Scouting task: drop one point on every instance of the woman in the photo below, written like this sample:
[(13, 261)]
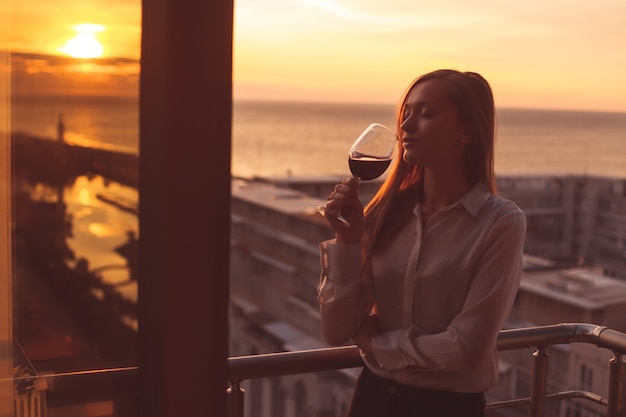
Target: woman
[(440, 259)]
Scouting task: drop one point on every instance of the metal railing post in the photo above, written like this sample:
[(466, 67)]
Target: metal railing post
[(617, 387), (235, 399), (539, 383)]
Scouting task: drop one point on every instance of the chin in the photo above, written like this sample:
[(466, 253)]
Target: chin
[(412, 159)]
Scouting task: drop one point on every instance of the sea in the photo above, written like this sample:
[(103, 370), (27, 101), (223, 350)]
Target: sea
[(277, 139)]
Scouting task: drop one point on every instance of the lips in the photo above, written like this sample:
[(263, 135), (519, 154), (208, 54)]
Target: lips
[(408, 142)]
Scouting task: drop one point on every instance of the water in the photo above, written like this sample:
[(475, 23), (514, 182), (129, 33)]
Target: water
[(304, 139), (110, 122), (98, 229), (570, 142)]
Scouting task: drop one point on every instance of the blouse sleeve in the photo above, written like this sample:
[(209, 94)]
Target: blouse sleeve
[(341, 291), (487, 304)]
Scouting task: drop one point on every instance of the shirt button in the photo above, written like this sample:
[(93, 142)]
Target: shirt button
[(392, 389)]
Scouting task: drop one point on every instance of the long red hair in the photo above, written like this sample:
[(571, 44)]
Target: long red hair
[(402, 189)]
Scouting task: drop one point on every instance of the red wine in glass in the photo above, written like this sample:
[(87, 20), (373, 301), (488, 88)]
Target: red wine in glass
[(367, 167), (369, 157)]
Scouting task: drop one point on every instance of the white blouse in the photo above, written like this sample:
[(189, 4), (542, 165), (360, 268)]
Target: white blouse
[(442, 293)]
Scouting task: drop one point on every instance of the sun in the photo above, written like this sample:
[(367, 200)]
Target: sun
[(85, 43)]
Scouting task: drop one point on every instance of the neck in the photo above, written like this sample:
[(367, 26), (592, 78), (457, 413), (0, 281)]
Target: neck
[(442, 188)]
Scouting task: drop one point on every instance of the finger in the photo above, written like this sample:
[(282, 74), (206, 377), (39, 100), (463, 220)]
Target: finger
[(349, 190), (333, 205), (353, 180)]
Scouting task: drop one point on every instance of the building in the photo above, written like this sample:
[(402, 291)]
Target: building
[(548, 296), (275, 268), (274, 276), (573, 220)]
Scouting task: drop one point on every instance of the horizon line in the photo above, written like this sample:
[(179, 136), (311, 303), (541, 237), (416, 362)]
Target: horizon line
[(131, 96)]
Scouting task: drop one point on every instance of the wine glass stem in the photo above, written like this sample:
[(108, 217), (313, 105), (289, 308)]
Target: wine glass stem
[(334, 213)]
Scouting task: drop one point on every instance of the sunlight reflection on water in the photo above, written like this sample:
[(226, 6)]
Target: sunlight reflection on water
[(98, 228)]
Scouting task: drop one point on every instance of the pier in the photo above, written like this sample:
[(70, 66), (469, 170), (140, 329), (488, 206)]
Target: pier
[(58, 160)]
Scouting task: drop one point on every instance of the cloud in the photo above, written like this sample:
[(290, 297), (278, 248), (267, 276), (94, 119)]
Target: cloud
[(59, 61), (42, 74)]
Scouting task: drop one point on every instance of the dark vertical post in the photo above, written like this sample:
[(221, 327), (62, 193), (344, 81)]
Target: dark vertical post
[(236, 399), (617, 386), (185, 121), (539, 382)]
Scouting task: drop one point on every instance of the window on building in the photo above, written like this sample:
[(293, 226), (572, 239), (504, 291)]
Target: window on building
[(522, 384), (549, 201), (586, 377), (255, 393), (278, 398), (573, 410), (300, 399)]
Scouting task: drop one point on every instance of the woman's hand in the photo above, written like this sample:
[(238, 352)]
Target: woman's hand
[(369, 328), (345, 199)]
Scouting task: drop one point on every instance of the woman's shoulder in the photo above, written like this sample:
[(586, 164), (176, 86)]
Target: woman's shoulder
[(498, 200), (482, 201), (501, 207)]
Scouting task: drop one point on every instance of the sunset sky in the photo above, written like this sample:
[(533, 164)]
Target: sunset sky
[(542, 54)]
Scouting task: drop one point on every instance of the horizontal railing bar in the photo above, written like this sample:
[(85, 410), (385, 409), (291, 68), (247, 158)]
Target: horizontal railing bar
[(297, 362), (613, 340), (289, 363), (507, 403), (600, 336), (585, 395), (512, 339), (56, 375)]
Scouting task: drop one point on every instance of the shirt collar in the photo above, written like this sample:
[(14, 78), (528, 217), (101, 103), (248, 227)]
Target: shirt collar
[(475, 198)]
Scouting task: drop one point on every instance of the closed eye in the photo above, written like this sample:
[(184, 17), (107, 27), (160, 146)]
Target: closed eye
[(405, 116)]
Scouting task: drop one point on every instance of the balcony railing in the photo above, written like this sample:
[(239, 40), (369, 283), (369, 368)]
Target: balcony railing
[(309, 361), (299, 362)]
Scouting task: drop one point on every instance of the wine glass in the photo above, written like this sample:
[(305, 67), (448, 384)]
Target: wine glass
[(369, 157)]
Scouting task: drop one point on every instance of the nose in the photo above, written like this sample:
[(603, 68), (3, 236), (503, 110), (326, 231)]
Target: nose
[(409, 124)]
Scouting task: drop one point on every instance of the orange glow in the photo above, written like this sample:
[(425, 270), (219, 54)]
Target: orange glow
[(84, 197), (85, 43), (344, 50)]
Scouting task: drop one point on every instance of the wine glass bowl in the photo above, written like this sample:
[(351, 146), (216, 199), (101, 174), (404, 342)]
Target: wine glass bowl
[(371, 153), (368, 158)]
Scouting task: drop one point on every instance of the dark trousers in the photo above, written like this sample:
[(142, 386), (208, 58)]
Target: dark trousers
[(379, 397)]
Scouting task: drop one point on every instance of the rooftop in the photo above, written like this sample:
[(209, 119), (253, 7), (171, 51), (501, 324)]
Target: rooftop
[(583, 287), (280, 199)]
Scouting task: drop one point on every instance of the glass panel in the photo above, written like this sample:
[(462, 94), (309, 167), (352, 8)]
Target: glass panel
[(74, 200), (6, 302)]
